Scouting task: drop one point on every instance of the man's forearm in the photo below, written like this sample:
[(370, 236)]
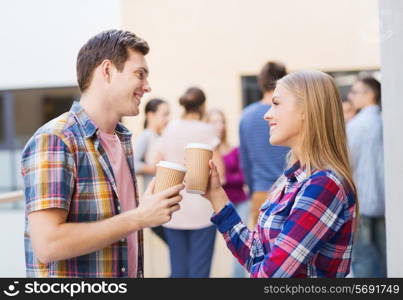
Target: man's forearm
[(75, 239)]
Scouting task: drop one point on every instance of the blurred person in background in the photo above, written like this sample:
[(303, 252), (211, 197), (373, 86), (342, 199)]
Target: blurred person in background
[(234, 185), (262, 163), (365, 140), (156, 119), (306, 226), (190, 235), (349, 110)]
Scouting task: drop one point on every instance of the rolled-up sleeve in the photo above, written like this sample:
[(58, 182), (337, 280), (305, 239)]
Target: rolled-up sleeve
[(48, 169)]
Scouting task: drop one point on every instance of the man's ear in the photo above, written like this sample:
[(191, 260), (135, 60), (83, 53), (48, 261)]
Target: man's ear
[(148, 114), (106, 68), (371, 95)]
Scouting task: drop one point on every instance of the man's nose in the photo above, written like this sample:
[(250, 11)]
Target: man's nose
[(147, 87)]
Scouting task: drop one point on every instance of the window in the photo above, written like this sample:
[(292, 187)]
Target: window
[(2, 122), (33, 108), (27, 110), (344, 80), (250, 90)]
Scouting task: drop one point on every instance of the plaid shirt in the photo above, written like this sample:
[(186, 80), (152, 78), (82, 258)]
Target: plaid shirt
[(304, 229), (64, 166)]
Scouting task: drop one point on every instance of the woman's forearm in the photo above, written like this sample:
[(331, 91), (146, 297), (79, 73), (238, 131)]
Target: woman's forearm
[(219, 200)]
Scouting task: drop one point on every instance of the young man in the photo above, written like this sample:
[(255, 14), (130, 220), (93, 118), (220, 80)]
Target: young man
[(83, 217), (365, 141), (262, 163)]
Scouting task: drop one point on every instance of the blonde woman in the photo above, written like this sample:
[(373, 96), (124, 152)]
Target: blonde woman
[(306, 226)]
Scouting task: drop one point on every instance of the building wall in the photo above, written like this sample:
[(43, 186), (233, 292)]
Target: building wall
[(40, 39), (200, 42), (391, 16), (212, 43)]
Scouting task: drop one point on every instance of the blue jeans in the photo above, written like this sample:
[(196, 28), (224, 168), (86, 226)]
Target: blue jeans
[(190, 251), (369, 248)]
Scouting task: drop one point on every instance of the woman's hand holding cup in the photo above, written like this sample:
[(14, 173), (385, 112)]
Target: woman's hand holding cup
[(215, 193)]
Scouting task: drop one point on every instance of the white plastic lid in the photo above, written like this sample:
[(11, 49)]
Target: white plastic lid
[(171, 165), (199, 146)]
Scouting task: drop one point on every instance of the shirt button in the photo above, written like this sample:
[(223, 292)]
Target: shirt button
[(123, 269)]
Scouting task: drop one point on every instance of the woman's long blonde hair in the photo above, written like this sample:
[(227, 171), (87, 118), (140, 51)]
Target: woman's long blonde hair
[(323, 136)]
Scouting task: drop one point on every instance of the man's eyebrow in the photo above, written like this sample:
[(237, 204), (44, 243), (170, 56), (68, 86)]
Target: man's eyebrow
[(144, 69)]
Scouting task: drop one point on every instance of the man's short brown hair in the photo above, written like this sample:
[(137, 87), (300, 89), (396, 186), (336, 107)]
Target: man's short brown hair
[(112, 45), (270, 73), (374, 85)]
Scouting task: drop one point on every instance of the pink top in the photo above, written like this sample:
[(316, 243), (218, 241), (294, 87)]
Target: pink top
[(196, 211), (234, 178), (125, 188)]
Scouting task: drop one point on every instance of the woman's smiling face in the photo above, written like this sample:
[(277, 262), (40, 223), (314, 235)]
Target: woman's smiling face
[(285, 118)]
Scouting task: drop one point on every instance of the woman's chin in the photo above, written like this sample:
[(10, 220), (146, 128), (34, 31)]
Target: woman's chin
[(275, 142)]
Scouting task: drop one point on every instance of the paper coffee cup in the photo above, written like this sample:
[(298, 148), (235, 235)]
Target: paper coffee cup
[(197, 165), (168, 174)]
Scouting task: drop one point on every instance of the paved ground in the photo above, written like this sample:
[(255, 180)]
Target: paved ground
[(12, 260), (157, 257)]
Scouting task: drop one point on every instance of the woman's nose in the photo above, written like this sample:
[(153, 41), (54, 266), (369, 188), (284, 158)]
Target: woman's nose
[(267, 116)]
